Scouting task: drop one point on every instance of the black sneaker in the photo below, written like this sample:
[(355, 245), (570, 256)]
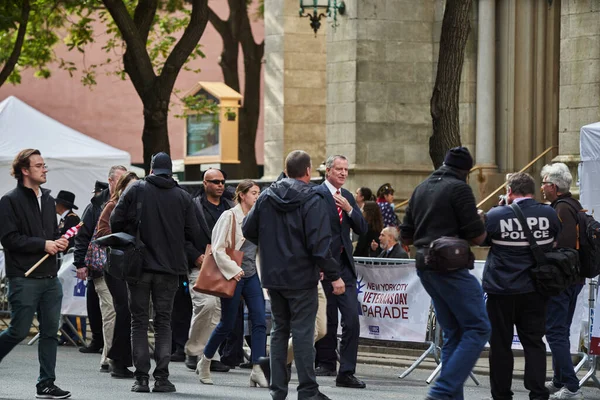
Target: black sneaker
[(51, 391), (163, 385), (140, 385)]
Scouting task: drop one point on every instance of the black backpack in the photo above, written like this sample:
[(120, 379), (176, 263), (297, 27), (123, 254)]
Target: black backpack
[(555, 270), (588, 242)]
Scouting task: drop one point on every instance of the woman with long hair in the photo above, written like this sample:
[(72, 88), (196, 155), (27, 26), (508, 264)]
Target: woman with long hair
[(385, 201), (363, 194), (372, 215), (248, 285), (119, 343)]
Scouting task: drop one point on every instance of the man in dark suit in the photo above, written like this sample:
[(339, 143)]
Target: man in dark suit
[(389, 239), (64, 208), (344, 215)]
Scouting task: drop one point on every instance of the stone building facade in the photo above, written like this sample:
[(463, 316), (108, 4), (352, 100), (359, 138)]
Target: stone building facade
[(530, 81)]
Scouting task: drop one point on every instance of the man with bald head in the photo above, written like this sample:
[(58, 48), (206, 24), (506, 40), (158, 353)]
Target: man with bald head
[(210, 204)]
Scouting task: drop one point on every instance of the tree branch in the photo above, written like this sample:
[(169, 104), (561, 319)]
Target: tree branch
[(144, 16), (184, 47), (9, 66), (137, 61), (216, 22)]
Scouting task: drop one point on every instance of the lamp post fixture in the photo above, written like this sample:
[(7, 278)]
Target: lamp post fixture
[(321, 8)]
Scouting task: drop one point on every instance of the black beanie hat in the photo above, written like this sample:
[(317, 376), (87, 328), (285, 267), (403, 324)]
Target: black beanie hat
[(460, 158)]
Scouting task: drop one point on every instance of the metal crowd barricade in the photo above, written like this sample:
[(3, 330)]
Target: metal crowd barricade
[(590, 359), (4, 308)]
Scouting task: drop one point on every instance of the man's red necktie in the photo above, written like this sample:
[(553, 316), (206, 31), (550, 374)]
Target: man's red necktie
[(339, 209)]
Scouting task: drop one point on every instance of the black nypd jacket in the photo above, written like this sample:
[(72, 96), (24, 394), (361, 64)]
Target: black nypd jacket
[(168, 221), (24, 230), (510, 257), (291, 226)]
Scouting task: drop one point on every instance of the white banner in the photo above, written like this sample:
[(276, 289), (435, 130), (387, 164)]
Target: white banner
[(395, 306), (73, 302), (2, 266), (393, 303)]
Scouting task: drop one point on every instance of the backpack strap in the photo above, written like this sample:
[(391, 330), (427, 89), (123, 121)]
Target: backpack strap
[(538, 254)]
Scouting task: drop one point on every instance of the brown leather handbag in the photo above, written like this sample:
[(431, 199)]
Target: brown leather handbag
[(211, 280)]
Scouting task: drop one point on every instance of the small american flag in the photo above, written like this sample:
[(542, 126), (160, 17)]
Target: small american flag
[(72, 231)]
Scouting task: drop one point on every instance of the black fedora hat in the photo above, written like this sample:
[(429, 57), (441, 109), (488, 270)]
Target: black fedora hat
[(67, 199), (100, 186)]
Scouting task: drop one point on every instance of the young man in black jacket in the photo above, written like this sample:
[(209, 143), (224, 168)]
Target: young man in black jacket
[(167, 220), (291, 227), (28, 230), (444, 205)]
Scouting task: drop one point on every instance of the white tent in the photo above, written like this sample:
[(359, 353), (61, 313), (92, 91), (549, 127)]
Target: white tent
[(589, 185), (75, 161)]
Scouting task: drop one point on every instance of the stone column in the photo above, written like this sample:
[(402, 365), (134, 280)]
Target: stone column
[(485, 152), (295, 87), (579, 77)]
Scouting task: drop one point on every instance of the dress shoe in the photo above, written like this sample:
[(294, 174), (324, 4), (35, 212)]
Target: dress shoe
[(140, 385), (191, 362), (163, 385), (257, 377), (218, 366), (91, 349), (178, 357), (120, 371), (264, 363), (246, 365), (319, 396), (322, 371), (349, 381), (105, 368)]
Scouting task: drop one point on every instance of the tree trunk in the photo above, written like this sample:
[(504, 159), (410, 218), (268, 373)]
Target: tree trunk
[(445, 98), (9, 65), (155, 135)]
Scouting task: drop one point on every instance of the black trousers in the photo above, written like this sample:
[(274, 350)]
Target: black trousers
[(181, 316), (347, 304), (120, 352), (161, 289), (528, 313), (92, 303)]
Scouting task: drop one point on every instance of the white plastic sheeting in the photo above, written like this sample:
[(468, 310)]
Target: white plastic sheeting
[(589, 177), (75, 160)]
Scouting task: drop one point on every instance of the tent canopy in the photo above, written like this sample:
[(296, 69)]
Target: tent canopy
[(75, 161), (589, 142)]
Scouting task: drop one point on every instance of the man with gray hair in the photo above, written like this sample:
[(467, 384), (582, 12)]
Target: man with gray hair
[(389, 239), (556, 181)]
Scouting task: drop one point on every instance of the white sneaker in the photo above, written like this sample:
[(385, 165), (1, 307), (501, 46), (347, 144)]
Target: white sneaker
[(565, 393), (551, 388)]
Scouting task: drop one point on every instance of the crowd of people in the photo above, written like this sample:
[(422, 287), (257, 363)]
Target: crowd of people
[(299, 242)]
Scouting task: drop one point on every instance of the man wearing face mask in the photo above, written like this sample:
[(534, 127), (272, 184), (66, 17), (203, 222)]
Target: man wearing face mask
[(209, 206)]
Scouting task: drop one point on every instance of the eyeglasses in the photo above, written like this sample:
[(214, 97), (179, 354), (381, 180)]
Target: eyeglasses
[(217, 181), (39, 166)]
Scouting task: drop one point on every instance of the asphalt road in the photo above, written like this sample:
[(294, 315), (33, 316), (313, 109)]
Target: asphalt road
[(79, 374)]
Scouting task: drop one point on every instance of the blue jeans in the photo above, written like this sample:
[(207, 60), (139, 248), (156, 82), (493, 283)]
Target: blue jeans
[(559, 315), (27, 296), (251, 289), (460, 310)]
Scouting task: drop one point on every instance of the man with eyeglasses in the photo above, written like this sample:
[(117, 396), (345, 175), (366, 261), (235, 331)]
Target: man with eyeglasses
[(29, 230), (210, 204), (556, 182)]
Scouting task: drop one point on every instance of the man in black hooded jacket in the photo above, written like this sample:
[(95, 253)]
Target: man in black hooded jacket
[(166, 222), (289, 223)]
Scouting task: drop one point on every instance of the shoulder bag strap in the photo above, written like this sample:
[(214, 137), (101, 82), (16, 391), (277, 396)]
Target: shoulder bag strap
[(538, 254), (140, 202), (233, 229)]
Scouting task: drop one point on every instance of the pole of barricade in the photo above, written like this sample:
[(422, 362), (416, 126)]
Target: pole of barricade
[(591, 358), (433, 348)]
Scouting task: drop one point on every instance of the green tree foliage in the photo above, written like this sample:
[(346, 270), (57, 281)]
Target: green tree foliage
[(27, 36)]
